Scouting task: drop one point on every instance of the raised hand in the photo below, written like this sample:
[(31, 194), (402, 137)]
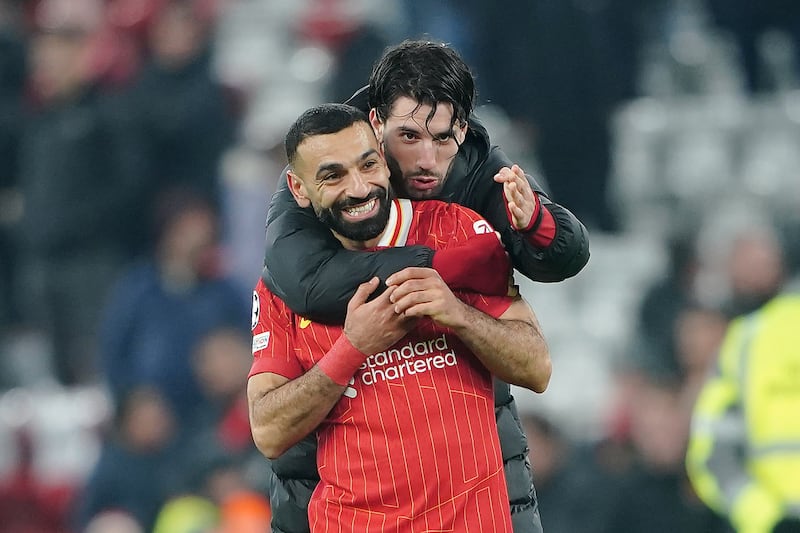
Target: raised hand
[(522, 202)]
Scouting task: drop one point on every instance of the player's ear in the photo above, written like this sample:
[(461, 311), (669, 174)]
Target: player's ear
[(377, 124), (298, 189), (460, 132)]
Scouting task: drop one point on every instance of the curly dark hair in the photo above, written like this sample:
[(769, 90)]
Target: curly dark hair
[(426, 71)]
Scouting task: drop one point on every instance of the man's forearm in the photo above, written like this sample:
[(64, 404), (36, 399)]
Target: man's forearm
[(284, 415), (307, 268), (513, 350)]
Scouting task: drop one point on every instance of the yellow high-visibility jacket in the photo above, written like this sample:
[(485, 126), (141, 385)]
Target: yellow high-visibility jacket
[(744, 451)]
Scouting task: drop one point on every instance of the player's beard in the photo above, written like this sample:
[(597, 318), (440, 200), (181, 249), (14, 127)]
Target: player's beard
[(363, 230), (400, 181)]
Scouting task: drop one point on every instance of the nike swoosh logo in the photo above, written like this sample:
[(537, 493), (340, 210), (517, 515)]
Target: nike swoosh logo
[(304, 323)]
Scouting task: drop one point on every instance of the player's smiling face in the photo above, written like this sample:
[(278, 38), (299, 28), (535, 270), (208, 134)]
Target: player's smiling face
[(344, 177)]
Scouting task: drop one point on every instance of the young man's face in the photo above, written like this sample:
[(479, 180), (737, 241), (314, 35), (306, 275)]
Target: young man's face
[(419, 152), (344, 177)]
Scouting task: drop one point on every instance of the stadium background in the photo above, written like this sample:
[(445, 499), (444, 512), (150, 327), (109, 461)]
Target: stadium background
[(670, 127)]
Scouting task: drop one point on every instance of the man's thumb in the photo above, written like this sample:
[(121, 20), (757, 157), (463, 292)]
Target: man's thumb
[(362, 293)]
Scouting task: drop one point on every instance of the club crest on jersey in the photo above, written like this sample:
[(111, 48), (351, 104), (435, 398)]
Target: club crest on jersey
[(256, 311), (481, 226)]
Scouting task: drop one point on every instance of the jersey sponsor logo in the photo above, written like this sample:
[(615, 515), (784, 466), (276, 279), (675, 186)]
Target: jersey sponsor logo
[(414, 357), (304, 322), (256, 311), (260, 341), (481, 226)]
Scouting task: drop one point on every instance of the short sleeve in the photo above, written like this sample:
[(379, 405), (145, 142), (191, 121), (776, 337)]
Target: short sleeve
[(271, 323), (441, 226)]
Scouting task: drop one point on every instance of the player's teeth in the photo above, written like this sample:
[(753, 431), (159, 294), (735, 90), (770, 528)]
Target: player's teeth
[(362, 209)]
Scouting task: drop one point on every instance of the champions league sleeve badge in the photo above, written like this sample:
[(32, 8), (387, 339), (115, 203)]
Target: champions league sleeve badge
[(256, 311)]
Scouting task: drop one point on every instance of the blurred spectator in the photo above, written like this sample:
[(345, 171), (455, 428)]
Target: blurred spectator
[(12, 82), (372, 27), (448, 21), (79, 177), (250, 171), (328, 23), (744, 457), (186, 116), (655, 495), (741, 260), (221, 362), (682, 316), (754, 268), (354, 61), (246, 512), (219, 456), (661, 305), (27, 504), (12, 43), (567, 475), (136, 469), (693, 335), (218, 498), (220, 480), (113, 522), (219, 427), (164, 305), (698, 335), (222, 488), (187, 514), (241, 507)]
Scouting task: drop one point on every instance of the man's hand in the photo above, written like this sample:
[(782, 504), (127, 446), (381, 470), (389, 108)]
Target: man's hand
[(522, 202), (419, 292), (511, 347), (373, 326)]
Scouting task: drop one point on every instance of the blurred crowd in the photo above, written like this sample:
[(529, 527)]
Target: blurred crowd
[(140, 141), (114, 269)]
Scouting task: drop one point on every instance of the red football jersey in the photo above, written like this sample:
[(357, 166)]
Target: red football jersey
[(412, 444)]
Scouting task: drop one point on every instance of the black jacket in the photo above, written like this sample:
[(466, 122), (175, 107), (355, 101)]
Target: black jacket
[(309, 270), (298, 246), (79, 172)]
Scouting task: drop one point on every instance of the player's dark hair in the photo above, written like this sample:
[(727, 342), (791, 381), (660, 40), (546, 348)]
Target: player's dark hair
[(428, 72), (322, 119)]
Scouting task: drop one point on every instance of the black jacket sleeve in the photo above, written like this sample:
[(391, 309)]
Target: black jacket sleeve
[(562, 259), (307, 268)]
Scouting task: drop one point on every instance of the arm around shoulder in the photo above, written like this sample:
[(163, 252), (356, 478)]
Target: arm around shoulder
[(311, 272)]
